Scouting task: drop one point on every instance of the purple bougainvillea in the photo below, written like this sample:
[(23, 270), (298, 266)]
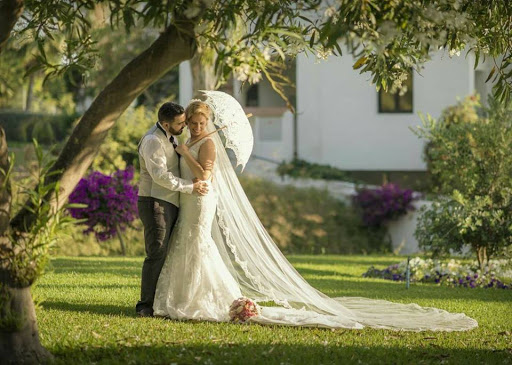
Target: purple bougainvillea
[(111, 202), (382, 204)]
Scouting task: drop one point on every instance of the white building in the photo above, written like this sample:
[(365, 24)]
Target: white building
[(339, 119), (344, 122)]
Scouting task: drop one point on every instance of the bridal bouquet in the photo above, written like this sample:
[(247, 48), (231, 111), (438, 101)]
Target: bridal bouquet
[(242, 309)]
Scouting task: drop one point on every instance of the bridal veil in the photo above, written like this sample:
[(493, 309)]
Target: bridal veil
[(266, 276)]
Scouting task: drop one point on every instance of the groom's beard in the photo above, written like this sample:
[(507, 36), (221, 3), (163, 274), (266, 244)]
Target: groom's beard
[(175, 132)]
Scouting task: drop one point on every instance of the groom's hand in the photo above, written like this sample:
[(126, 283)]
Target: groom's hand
[(182, 149), (200, 187)]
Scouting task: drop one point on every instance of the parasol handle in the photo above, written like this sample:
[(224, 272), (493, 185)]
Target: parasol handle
[(215, 131), (209, 134)]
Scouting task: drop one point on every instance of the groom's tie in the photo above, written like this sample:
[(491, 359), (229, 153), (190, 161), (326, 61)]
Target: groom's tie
[(173, 141), (174, 144)]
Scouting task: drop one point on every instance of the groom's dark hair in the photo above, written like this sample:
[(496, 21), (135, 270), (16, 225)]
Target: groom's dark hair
[(168, 111)]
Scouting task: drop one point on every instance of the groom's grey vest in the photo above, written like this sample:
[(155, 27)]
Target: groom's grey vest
[(147, 187)]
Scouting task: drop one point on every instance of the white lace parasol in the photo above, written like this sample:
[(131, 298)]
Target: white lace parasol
[(229, 115)]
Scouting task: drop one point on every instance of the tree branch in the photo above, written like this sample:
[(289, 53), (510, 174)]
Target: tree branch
[(175, 45), (10, 11)]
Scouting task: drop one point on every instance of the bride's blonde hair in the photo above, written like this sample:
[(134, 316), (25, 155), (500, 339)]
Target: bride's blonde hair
[(198, 107)]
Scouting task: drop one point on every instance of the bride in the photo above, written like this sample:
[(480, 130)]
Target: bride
[(220, 251)]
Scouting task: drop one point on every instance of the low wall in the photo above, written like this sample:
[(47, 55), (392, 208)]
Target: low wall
[(402, 230)]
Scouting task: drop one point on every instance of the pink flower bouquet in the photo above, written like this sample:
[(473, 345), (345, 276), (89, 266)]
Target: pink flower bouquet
[(242, 309)]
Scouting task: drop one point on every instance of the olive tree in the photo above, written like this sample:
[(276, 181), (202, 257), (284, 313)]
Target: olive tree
[(249, 38)]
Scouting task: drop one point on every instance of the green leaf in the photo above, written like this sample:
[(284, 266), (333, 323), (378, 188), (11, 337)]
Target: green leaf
[(76, 206), (477, 58), (491, 73), (337, 46), (285, 32), (458, 197), (360, 62), (312, 40)]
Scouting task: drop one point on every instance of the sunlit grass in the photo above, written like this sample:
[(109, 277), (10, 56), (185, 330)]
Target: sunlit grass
[(86, 314)]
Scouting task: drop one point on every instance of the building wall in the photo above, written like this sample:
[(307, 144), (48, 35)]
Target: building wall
[(339, 123), (338, 119)]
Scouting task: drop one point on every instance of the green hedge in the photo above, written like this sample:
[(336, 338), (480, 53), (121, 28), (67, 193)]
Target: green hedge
[(311, 221), (304, 169), (47, 129)]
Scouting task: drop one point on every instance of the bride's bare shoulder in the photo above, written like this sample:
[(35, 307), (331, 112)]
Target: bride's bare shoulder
[(207, 144)]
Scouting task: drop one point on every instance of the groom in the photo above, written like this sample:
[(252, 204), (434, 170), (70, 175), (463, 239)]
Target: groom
[(159, 191)]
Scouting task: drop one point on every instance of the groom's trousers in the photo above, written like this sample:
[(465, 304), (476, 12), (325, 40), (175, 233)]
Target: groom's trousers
[(158, 218)]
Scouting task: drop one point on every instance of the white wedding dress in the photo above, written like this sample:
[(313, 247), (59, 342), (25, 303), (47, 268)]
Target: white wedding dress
[(220, 251), (194, 282)]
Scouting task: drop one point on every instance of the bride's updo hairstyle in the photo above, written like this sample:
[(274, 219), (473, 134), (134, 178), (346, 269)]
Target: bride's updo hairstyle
[(198, 107)]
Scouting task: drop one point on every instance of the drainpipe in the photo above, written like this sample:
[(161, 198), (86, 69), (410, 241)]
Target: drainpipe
[(295, 134)]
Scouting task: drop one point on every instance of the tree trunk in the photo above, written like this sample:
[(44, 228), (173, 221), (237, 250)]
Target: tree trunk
[(10, 11), (5, 185), (203, 73), (481, 256), (30, 93), (174, 45), (121, 240), (19, 336), (171, 48)]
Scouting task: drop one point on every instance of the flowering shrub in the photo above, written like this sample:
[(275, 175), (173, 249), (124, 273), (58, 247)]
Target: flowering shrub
[(474, 205), (242, 309), (111, 202), (382, 204), (497, 274)]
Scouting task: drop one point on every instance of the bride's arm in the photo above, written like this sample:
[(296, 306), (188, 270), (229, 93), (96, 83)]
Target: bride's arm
[(201, 168)]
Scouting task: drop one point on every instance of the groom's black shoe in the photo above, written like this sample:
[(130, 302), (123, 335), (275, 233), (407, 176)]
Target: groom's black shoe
[(145, 312)]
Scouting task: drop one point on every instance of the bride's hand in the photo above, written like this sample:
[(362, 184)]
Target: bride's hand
[(182, 149)]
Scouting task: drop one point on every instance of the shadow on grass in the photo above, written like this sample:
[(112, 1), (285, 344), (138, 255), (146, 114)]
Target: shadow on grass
[(125, 266), (176, 351), (88, 286), (119, 310)]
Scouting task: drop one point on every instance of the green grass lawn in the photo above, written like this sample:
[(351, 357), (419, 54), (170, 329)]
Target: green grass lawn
[(86, 315)]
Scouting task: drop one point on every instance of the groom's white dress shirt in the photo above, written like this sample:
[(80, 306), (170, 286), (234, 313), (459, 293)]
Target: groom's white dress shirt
[(159, 168)]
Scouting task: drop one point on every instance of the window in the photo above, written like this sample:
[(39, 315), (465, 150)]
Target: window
[(396, 103), (253, 98)]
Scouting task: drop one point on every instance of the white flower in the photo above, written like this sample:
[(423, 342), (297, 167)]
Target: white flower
[(192, 10), (266, 54), (242, 72), (241, 76), (255, 77), (323, 54), (330, 12), (454, 52)]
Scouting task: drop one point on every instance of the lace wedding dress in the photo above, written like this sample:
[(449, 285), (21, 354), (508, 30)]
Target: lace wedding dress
[(220, 251), (194, 282)]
